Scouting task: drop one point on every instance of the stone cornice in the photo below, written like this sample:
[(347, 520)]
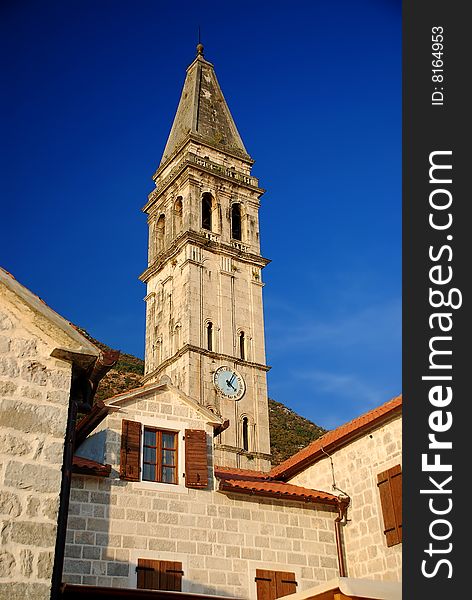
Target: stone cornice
[(215, 355), (202, 142), (208, 166), (242, 452), (201, 241)]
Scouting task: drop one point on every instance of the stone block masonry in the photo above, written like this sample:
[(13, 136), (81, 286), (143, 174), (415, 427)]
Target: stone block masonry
[(220, 539), (34, 397), (356, 466)]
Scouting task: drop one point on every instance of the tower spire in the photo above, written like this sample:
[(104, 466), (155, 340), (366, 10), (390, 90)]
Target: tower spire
[(203, 114)]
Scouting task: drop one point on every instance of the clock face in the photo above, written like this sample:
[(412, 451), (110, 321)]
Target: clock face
[(229, 383)]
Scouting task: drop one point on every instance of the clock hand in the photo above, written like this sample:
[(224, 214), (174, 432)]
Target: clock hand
[(230, 384), (232, 378)]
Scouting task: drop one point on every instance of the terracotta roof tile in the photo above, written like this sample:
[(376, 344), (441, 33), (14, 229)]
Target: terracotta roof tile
[(335, 438), (86, 466), (233, 473), (277, 489)]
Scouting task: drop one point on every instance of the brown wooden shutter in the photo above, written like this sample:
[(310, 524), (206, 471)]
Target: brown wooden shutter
[(196, 458), (159, 575), (390, 488), (274, 584), (130, 450), (171, 576), (148, 574), (285, 583)]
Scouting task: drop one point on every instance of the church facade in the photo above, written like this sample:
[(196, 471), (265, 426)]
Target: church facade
[(173, 487)]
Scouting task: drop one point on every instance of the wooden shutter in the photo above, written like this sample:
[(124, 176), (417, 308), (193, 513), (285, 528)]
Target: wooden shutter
[(130, 450), (196, 458), (390, 488), (171, 576), (285, 583), (274, 584), (148, 574), (159, 575)]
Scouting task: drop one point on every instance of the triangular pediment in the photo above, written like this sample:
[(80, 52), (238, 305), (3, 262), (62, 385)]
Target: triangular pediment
[(134, 396)]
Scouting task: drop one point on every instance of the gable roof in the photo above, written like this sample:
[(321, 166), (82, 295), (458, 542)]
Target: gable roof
[(144, 390), (332, 440), (74, 346)]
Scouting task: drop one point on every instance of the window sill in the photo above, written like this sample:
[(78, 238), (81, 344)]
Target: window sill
[(161, 487)]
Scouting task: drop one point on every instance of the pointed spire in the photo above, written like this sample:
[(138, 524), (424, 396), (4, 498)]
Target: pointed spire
[(203, 113)]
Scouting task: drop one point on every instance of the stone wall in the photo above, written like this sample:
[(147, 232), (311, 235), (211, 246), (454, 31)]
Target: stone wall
[(356, 466), (221, 540), (34, 397)]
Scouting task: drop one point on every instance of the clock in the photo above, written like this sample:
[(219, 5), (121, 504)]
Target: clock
[(229, 383)]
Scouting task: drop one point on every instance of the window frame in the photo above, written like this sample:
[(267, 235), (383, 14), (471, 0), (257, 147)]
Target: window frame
[(159, 465), (169, 425)]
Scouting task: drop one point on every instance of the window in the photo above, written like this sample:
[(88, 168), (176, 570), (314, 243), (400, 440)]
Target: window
[(160, 233), (242, 346), (210, 336), (159, 575), (274, 584), (159, 455), (207, 202), (390, 488), (177, 330), (245, 433), (158, 462), (236, 221), (178, 215)]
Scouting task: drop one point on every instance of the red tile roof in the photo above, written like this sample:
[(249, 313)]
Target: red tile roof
[(336, 438), (233, 473), (86, 466), (278, 490)]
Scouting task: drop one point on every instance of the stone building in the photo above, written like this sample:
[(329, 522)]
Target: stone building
[(45, 363), (173, 488)]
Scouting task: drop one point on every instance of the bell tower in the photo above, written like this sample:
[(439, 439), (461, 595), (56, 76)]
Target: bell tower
[(204, 314)]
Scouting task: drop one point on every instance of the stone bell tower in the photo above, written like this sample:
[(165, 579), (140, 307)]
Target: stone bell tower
[(204, 315)]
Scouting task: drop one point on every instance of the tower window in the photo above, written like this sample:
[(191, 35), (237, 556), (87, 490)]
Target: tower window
[(160, 232), (206, 211), (236, 221), (178, 215), (210, 336), (242, 346), (245, 427)]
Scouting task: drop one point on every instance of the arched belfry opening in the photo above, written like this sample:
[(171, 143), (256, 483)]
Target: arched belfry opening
[(209, 333), (245, 433), (178, 208), (242, 346), (236, 230), (207, 208), (160, 233)]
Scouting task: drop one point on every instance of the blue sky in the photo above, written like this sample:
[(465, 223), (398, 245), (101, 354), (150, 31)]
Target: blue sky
[(315, 90)]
